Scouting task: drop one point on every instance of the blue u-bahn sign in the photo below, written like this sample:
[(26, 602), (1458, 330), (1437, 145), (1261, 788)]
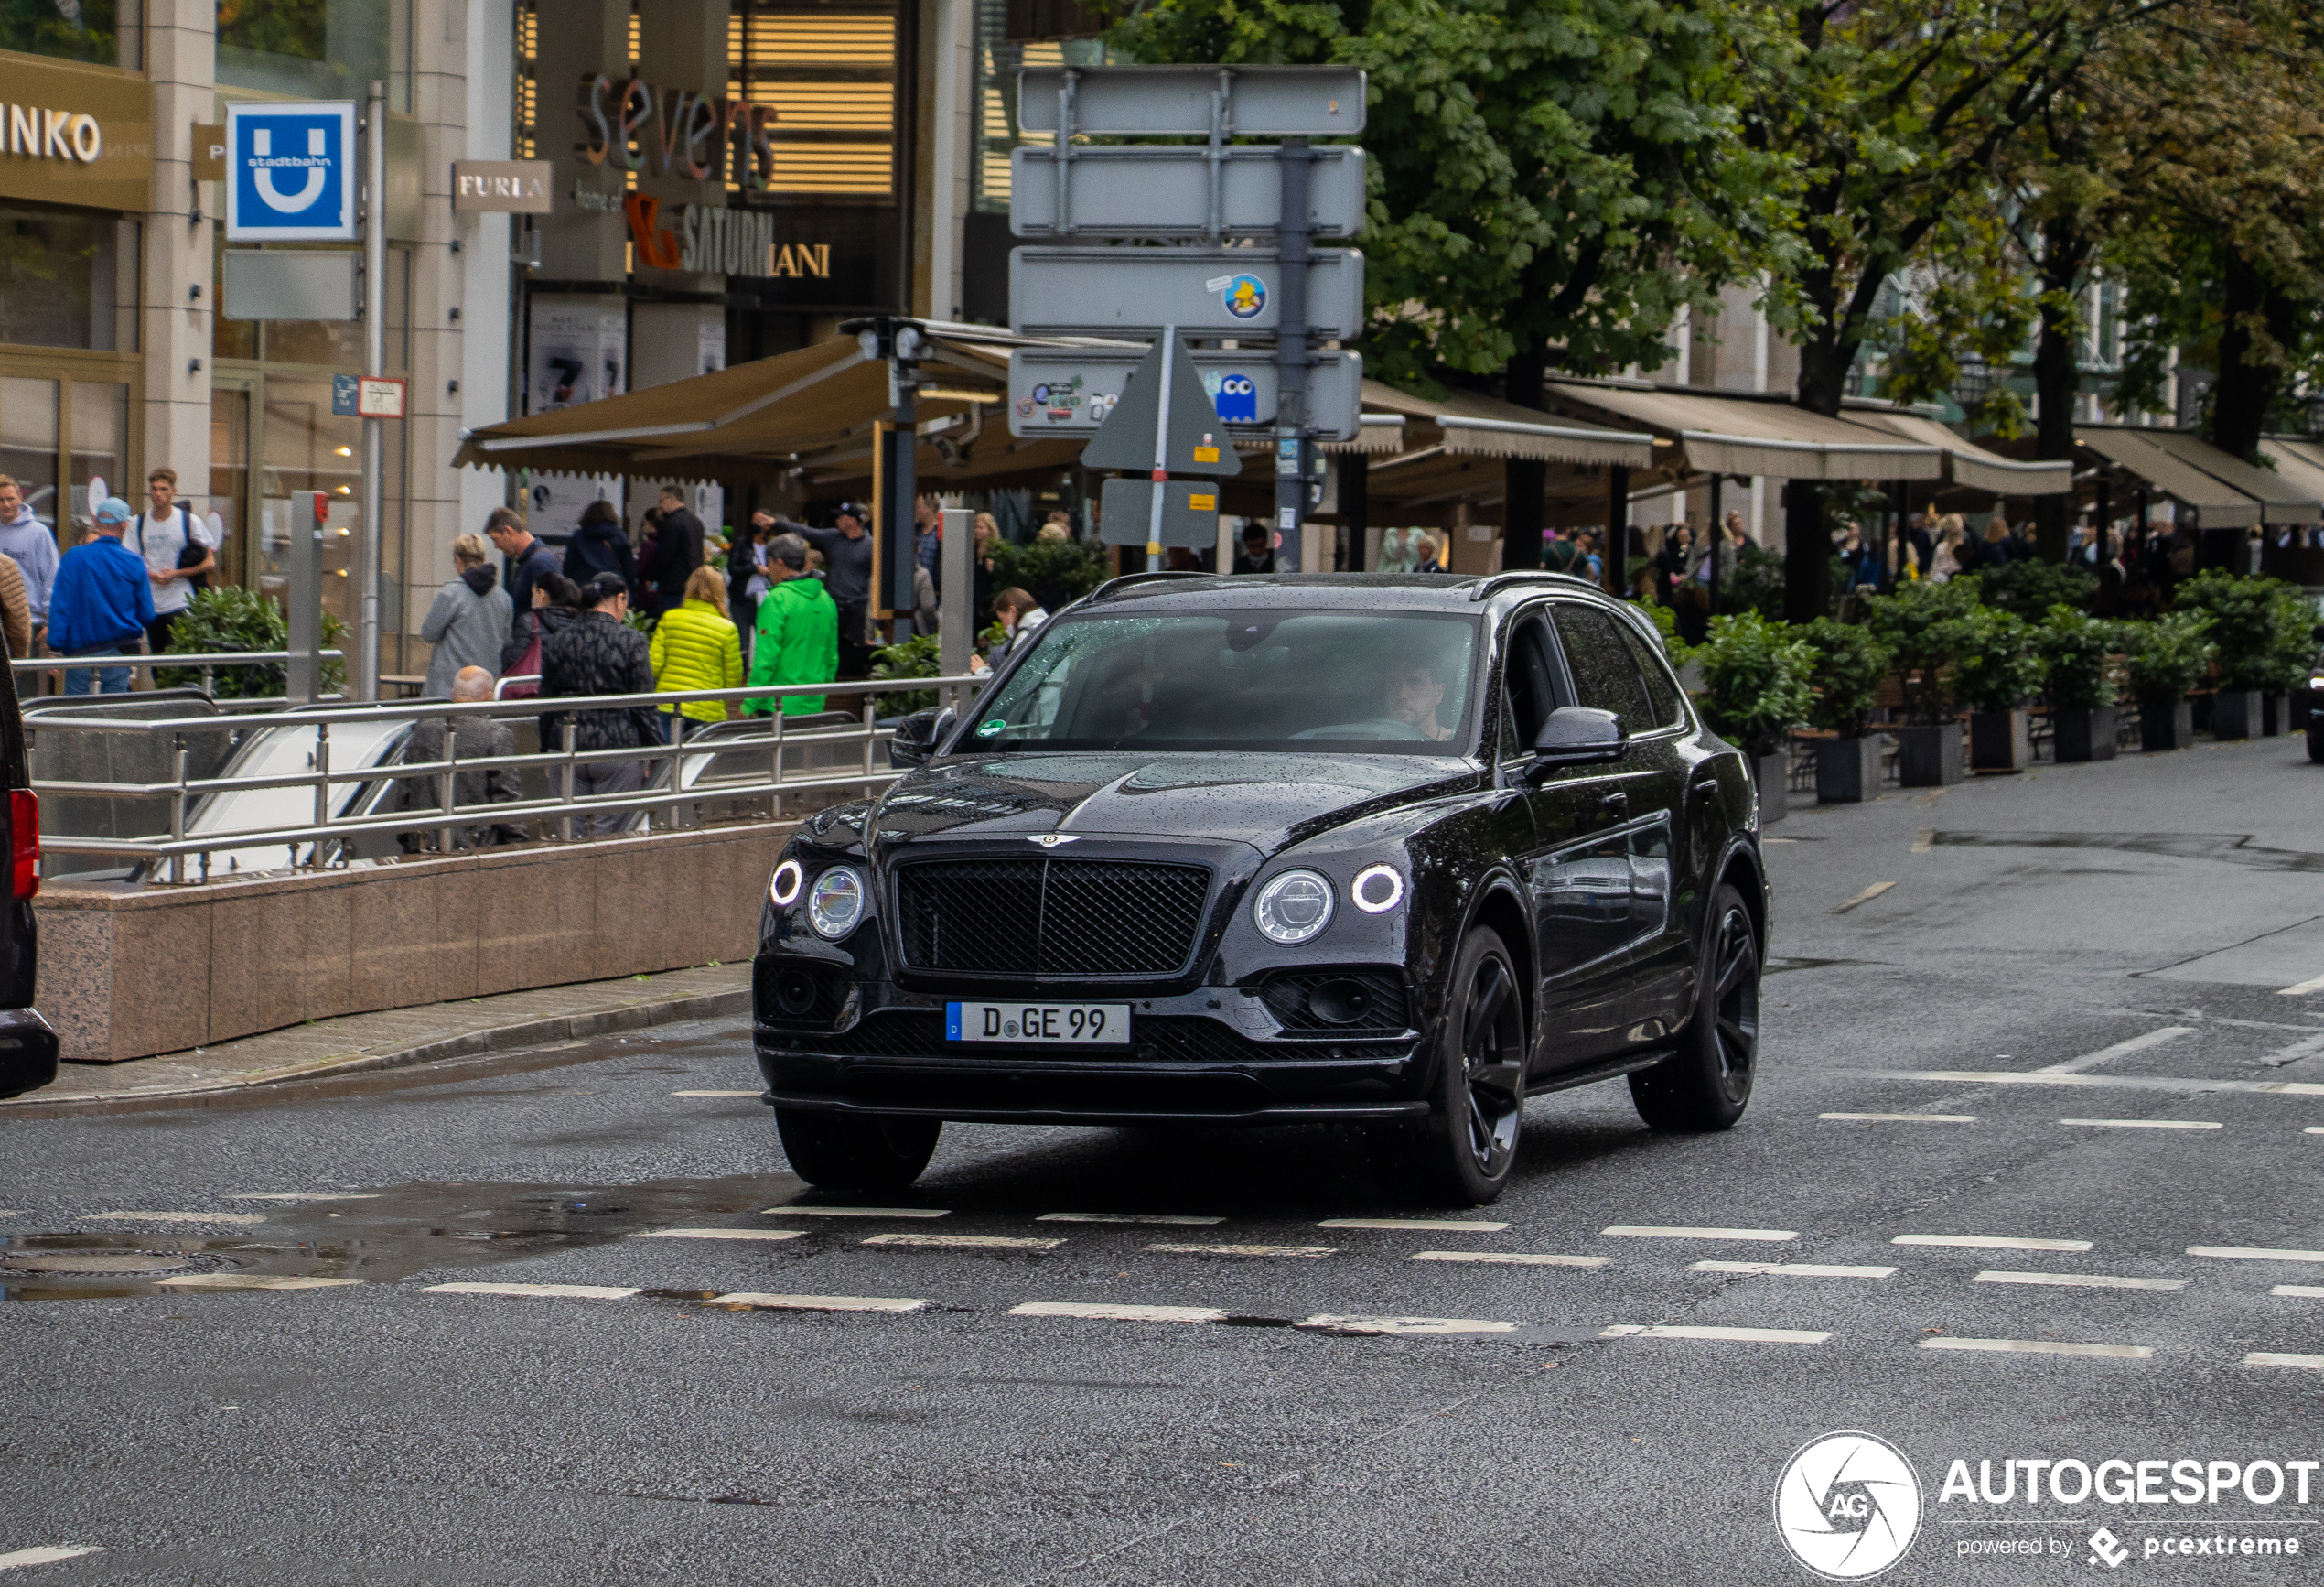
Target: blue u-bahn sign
[(290, 172)]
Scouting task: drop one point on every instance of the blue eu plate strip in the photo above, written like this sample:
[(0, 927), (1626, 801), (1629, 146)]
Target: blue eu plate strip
[(952, 1021)]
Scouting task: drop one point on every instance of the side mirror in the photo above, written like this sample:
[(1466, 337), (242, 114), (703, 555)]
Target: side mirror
[(918, 735), (1576, 735)]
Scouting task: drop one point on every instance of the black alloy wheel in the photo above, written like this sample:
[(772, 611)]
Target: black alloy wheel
[(1706, 1083), (1480, 1091), (843, 1151)]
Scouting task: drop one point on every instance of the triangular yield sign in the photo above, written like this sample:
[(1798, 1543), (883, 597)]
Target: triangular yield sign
[(1196, 443)]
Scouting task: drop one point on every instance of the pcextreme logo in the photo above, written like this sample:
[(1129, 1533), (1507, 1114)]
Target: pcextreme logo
[(1847, 1506)]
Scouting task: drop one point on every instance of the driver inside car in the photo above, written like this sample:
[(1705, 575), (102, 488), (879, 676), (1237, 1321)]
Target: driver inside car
[(1414, 693)]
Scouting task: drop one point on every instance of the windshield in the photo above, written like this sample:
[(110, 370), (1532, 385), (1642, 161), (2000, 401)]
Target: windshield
[(1376, 683)]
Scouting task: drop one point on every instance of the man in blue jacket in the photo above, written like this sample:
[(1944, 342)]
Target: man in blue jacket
[(101, 602)]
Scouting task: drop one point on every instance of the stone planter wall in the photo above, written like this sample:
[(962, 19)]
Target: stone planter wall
[(2000, 740), (1848, 771), (127, 972), (2165, 727), (2082, 735), (1930, 757), (2235, 714)]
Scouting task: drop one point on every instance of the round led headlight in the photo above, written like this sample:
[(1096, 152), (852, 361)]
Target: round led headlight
[(837, 901), (782, 888), (1377, 889), (1293, 907)]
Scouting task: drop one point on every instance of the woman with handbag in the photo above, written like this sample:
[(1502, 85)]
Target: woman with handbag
[(178, 552), (556, 601)]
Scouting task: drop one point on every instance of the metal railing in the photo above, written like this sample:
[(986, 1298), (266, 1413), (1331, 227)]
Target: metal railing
[(328, 837), (207, 664)]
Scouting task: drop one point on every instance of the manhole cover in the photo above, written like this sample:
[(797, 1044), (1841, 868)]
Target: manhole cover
[(92, 1262)]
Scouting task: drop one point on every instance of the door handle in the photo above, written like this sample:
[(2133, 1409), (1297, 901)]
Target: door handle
[(1616, 803), (1707, 785)]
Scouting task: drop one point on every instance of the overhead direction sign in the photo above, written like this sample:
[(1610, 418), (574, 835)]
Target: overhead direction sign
[(1203, 291), (290, 172), (1166, 190), (1068, 391), (1181, 100), (1133, 435)]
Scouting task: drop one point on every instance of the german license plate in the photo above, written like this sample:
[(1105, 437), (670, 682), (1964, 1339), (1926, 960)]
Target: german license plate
[(1042, 1024)]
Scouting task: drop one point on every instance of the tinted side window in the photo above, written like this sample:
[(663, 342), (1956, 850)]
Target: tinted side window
[(1605, 675), (1526, 680), (1659, 689)]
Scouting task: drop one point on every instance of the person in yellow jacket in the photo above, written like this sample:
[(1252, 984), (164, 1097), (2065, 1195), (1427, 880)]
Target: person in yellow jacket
[(696, 646)]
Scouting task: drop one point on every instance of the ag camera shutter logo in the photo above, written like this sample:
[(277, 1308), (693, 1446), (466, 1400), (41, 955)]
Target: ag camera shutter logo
[(1847, 1506), (290, 172)]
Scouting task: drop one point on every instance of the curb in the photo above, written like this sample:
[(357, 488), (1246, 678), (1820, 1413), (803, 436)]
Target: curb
[(469, 1044)]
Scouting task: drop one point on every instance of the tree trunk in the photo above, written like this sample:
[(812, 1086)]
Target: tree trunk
[(1807, 545), (2065, 248), (2248, 382), (1524, 481)]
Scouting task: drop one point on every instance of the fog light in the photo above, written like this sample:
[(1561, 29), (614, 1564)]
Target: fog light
[(1339, 1002), (795, 993)]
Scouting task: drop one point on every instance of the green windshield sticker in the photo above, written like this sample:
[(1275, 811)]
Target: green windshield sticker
[(991, 727)]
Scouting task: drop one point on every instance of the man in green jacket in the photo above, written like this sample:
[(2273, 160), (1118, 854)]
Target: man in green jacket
[(798, 631)]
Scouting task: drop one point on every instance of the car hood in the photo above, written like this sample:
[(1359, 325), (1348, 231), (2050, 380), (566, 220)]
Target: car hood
[(1267, 801)]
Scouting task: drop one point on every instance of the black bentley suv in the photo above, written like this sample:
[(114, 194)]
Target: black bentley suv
[(1337, 847)]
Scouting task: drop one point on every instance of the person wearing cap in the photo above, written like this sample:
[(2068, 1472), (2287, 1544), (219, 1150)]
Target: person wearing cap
[(847, 559), (798, 637), (101, 602)]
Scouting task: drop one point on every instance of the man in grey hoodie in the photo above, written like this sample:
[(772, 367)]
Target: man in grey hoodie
[(34, 547)]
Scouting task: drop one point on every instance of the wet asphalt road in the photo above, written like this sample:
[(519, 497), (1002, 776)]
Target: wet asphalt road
[(386, 1431)]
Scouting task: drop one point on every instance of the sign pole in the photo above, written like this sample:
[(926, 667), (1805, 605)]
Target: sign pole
[(365, 677), (1291, 347), (1170, 345)]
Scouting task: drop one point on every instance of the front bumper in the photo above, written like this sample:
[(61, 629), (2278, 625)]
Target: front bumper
[(1212, 1054), (27, 1051)]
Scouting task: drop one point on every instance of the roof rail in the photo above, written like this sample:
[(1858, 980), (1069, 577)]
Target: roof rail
[(1489, 588), (1125, 580)]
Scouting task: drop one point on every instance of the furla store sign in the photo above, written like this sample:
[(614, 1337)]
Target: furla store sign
[(75, 135)]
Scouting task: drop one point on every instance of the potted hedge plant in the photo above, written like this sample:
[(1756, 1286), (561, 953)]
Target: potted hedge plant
[(2077, 653), (1993, 678), (2293, 622), (2165, 658), (2242, 633), (1929, 628), (1846, 678), (1755, 691)]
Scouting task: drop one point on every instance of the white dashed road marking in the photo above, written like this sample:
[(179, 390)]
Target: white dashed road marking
[(565, 1292), (2293, 1054), (1923, 839), (1991, 1242), (717, 1234), (185, 1217), (815, 1302), (304, 1196), (1455, 1225), (2040, 1347), (2301, 990), (797, 1212), (2119, 1050), (1689, 1331), (48, 1555), (714, 1093), (2120, 1082), (2143, 1123), (1101, 1312), (967, 1242), (1328, 1323), (1792, 1270), (2284, 1358), (1866, 896), (1514, 1258), (1187, 1218), (2303, 1292), (1901, 1117), (1656, 1232), (2255, 1254), (1246, 1250), (2077, 1281), (251, 1281)]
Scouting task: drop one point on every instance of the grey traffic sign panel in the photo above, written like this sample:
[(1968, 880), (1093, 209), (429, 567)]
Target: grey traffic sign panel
[(1164, 101), (1131, 435), (1060, 390), (1166, 191), (1190, 514), (1136, 292)]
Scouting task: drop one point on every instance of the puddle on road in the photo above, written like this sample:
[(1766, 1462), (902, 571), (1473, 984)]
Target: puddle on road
[(400, 1231)]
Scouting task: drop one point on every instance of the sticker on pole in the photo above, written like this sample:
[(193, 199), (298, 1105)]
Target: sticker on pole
[(290, 172), (379, 397), (1245, 296)]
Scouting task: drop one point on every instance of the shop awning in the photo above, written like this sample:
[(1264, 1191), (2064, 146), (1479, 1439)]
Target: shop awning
[(1469, 424), (1733, 435), (2217, 506), (2280, 500), (2298, 461), (1967, 463)]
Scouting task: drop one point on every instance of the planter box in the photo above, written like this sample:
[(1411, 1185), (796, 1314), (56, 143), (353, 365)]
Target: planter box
[(2235, 714), (2302, 711), (1848, 771), (2000, 740), (2084, 736), (2168, 727), (1773, 775), (1930, 757), (2271, 716)]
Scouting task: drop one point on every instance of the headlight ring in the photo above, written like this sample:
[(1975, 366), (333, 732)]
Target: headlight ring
[(835, 903), (1293, 908), (782, 888), (1377, 889)]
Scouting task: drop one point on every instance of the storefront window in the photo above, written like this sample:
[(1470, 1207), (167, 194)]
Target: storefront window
[(68, 277), (29, 440), (315, 48), (100, 446), (102, 32)]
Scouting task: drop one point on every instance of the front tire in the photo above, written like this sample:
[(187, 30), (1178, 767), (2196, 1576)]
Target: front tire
[(1480, 1075), (839, 1151), (1706, 1083)]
